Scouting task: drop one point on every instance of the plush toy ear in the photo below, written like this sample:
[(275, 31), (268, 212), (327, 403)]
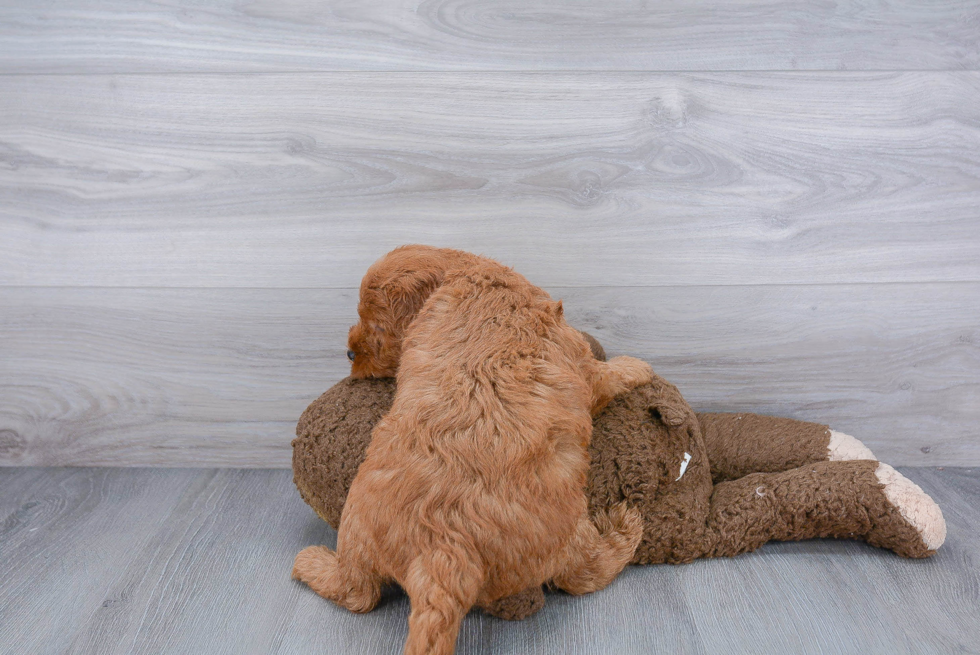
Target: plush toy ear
[(666, 401)]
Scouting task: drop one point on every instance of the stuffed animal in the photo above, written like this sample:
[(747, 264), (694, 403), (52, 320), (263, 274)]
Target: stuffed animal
[(707, 485)]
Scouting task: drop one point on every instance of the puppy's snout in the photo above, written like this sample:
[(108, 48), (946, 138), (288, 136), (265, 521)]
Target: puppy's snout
[(351, 355)]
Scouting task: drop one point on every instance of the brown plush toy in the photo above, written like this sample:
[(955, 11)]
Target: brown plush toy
[(707, 485)]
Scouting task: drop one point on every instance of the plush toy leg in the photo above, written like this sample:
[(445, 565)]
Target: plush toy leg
[(740, 444), (859, 499), (599, 551), (519, 606), (343, 581)]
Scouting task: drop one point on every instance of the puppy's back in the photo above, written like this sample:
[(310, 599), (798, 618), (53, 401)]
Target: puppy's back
[(493, 417), (492, 346)]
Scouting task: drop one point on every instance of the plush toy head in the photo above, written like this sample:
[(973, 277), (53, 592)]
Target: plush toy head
[(332, 437)]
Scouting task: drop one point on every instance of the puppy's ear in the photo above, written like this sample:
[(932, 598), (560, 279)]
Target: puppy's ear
[(559, 310), (407, 296)]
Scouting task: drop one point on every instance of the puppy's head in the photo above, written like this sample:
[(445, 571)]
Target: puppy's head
[(392, 294), (373, 345)]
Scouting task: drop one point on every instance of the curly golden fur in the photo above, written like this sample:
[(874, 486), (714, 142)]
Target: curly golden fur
[(392, 294), (473, 486)]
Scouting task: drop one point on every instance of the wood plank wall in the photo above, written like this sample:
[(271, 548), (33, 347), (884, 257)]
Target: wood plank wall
[(776, 203)]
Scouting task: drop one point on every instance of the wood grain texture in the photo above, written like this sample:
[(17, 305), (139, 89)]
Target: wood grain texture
[(270, 35), (302, 180), (218, 377), (175, 561)]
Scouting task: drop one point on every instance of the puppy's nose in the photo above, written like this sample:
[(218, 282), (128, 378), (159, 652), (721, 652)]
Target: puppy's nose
[(351, 355)]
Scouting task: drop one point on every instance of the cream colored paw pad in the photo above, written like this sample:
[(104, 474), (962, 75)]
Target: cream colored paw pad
[(915, 505), (844, 447)]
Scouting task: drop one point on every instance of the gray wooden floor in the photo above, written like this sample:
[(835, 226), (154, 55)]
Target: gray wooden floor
[(98, 560)]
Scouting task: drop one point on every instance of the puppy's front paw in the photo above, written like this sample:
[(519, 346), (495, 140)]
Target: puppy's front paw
[(632, 371)]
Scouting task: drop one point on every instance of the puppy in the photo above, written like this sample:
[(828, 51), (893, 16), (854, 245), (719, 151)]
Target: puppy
[(472, 488)]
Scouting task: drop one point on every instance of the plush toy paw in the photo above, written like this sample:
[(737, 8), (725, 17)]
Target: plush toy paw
[(916, 507), (519, 606), (844, 447)]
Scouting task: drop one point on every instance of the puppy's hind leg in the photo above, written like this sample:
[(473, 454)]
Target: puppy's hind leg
[(596, 555), (442, 585), (339, 579), (617, 376)]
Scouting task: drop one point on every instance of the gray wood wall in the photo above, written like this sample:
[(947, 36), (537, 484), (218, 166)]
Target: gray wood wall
[(776, 203)]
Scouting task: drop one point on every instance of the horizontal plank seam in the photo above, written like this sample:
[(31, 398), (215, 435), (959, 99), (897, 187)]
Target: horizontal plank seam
[(801, 71), (10, 467), (549, 286)]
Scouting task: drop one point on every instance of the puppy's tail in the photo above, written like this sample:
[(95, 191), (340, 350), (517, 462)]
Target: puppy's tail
[(442, 586)]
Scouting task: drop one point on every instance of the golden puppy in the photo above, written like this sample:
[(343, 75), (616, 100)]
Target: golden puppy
[(472, 488)]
